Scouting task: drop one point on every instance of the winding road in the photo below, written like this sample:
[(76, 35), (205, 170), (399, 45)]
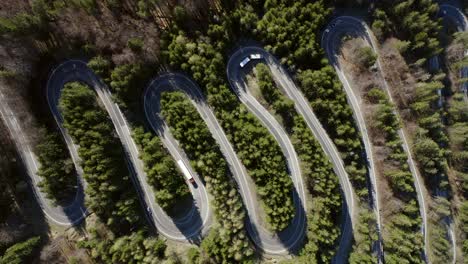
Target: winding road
[(68, 215), (287, 85), (293, 235), (188, 227), (331, 41), (456, 16), (263, 239), (356, 26)]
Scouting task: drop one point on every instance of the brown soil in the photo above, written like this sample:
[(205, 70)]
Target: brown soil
[(363, 80)]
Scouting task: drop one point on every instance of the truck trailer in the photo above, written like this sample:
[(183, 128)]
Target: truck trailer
[(185, 171)]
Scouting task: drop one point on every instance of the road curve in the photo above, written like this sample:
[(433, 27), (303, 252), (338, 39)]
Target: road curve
[(459, 19), (281, 77), (357, 26), (331, 39), (178, 82), (68, 215), (294, 234), (186, 228), (461, 22)]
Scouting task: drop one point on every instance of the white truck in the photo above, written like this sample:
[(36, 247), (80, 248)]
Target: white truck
[(185, 171)]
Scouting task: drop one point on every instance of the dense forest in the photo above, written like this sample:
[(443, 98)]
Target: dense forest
[(228, 241), (57, 170), (420, 31), (161, 170), (324, 212), (107, 177), (128, 42), (402, 237), (458, 131), (256, 148)]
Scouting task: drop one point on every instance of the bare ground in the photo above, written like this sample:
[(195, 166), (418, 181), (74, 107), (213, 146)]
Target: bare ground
[(363, 80)]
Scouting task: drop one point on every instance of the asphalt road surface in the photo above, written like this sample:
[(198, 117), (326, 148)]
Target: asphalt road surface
[(186, 228), (456, 16), (293, 235), (68, 215), (331, 41), (263, 239), (288, 87)]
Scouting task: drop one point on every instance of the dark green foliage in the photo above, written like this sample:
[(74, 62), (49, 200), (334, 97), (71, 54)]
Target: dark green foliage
[(322, 183), (145, 7), (256, 148), (127, 82), (135, 44), (57, 170), (365, 234), (124, 79), (457, 115), (228, 242), (163, 175), (366, 56), (431, 138), (193, 256), (22, 23), (105, 171), (137, 247), (291, 30), (21, 252), (328, 100), (412, 20), (114, 4), (89, 5), (101, 67), (402, 239)]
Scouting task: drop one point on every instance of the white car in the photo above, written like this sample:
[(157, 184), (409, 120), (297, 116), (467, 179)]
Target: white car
[(244, 62), (256, 56)]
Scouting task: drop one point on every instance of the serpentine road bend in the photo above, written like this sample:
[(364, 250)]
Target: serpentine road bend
[(294, 234), (456, 16), (359, 28), (187, 227), (287, 85), (68, 215), (264, 241), (331, 41)]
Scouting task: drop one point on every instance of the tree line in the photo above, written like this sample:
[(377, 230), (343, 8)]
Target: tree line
[(291, 30), (457, 131), (57, 170), (227, 242), (325, 210), (107, 194), (203, 57), (413, 20), (255, 146), (403, 240), (416, 23), (161, 170)]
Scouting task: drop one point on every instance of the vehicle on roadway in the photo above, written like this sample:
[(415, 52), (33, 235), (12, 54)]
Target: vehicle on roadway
[(244, 62), (186, 172), (247, 59), (255, 56)]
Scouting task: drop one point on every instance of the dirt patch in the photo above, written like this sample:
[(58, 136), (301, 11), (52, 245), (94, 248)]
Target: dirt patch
[(364, 79)]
